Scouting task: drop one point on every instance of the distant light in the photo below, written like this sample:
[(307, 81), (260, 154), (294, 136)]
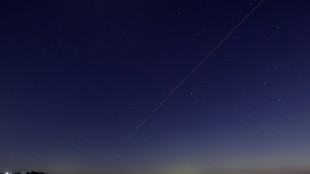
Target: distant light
[(7, 173)]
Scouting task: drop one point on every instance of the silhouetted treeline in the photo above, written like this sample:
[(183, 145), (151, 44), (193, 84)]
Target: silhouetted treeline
[(29, 173)]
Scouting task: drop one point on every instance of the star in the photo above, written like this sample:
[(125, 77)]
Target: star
[(180, 12)]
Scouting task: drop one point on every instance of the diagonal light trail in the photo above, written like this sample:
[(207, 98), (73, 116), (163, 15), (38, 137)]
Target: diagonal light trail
[(189, 74)]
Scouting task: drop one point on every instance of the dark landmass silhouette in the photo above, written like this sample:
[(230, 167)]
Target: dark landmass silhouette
[(31, 172)]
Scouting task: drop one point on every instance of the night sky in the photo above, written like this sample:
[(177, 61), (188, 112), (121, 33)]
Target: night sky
[(77, 77)]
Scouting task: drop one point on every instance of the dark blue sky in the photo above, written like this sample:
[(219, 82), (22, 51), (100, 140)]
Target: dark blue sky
[(77, 77)]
